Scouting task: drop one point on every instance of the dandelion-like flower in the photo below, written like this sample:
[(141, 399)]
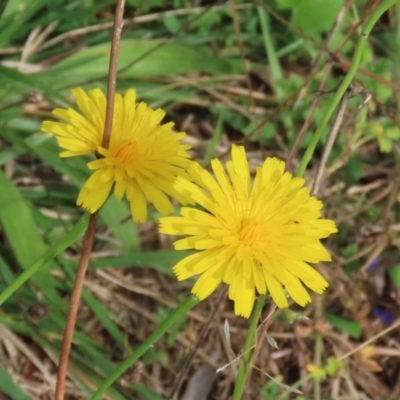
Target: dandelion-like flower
[(142, 161), (258, 236)]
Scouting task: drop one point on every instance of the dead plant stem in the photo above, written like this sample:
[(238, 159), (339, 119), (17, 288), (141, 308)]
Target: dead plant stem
[(329, 144), (112, 70), (307, 122), (89, 236), (73, 307)]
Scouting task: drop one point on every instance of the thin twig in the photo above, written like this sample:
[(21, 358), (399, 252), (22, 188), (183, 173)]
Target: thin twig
[(136, 20), (89, 236), (377, 198), (259, 339), (162, 43), (329, 144), (202, 336), (258, 342), (307, 122), (183, 28), (395, 325)]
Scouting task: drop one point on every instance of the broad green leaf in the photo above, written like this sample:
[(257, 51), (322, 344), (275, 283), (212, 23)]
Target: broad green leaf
[(395, 275), (9, 387), (24, 239), (19, 226), (147, 394), (118, 219), (333, 367), (312, 16), (137, 58), (348, 326), (41, 262)]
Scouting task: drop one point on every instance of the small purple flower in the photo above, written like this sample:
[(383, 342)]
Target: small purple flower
[(386, 316), (374, 264)]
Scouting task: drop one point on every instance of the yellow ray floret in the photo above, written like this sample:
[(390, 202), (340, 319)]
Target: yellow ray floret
[(256, 237), (142, 161)]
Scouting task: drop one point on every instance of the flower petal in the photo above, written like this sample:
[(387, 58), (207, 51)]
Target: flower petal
[(208, 282)]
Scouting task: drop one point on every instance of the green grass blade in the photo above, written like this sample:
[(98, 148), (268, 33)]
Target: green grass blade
[(19, 226), (275, 66), (15, 16), (177, 313), (9, 76), (70, 238), (351, 73), (9, 387), (215, 138)]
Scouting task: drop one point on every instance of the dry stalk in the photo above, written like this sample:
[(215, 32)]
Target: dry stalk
[(89, 235)]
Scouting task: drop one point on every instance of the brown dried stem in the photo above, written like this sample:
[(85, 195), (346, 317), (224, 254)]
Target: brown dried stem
[(329, 144), (112, 71), (89, 236), (73, 307)]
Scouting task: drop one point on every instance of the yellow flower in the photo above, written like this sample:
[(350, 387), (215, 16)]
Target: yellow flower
[(252, 236), (142, 161)]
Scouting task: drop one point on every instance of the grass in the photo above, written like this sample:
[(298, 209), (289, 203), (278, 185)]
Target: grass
[(254, 83)]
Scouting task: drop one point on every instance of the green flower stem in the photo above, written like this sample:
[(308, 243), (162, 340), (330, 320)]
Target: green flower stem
[(318, 351), (385, 4), (245, 366), (319, 343), (76, 232), (156, 335)]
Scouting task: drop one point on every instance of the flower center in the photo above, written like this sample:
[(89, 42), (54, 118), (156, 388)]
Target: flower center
[(249, 232), (126, 152)]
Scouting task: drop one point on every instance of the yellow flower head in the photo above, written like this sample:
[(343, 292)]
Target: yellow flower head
[(142, 161), (252, 236)]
